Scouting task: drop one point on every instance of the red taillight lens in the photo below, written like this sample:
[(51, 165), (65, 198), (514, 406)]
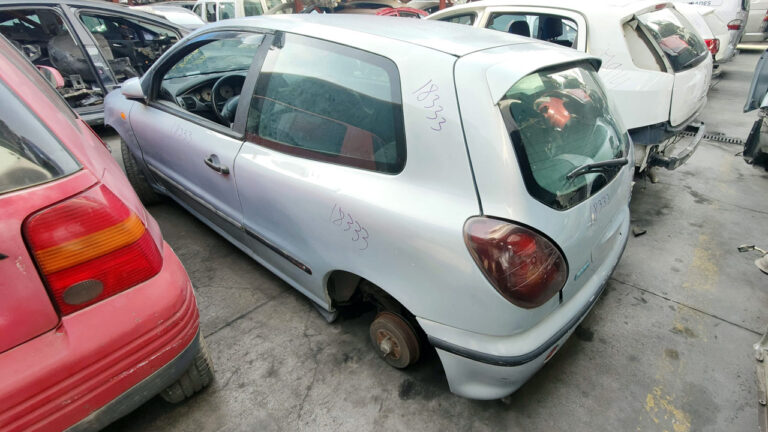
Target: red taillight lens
[(734, 25), (523, 266), (90, 247), (713, 45)]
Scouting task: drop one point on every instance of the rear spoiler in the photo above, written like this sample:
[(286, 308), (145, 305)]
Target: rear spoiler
[(504, 75)]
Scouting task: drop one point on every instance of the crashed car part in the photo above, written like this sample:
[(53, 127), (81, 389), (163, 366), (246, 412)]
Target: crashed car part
[(762, 262), (395, 340), (671, 159)]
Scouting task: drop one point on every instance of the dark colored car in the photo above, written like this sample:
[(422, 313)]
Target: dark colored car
[(94, 46)]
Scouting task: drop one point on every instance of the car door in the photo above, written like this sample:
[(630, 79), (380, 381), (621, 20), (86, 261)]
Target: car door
[(128, 43), (47, 38), (563, 27), (323, 118), (186, 146)]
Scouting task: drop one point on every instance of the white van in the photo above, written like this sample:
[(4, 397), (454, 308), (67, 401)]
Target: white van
[(216, 10)]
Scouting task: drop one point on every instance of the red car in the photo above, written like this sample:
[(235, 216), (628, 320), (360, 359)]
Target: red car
[(97, 313)]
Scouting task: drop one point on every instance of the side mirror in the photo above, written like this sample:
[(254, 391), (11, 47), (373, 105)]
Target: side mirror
[(131, 89)]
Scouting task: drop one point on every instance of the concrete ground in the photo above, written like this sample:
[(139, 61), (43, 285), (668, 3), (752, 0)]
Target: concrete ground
[(667, 348)]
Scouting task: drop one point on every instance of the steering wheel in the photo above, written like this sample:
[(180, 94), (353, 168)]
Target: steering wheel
[(216, 101)]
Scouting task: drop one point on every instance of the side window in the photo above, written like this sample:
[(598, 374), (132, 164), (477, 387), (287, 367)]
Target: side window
[(45, 40), (29, 154), (331, 103), (551, 28), (467, 19), (198, 10), (207, 81), (129, 46), (226, 10), (252, 8), (210, 12)]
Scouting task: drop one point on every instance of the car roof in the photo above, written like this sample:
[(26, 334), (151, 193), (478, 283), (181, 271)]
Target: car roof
[(449, 38), (619, 8)]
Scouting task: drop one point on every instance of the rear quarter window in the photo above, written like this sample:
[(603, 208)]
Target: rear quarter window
[(559, 120), (29, 153), (681, 45), (324, 101)]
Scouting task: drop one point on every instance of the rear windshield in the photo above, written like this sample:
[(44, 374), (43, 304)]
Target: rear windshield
[(559, 120), (682, 46), (29, 154)]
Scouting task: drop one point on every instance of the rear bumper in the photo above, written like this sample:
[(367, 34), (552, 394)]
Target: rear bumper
[(491, 367), (95, 355), (141, 392), (675, 155)]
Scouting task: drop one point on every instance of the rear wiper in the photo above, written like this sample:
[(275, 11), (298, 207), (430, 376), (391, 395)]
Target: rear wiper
[(597, 167)]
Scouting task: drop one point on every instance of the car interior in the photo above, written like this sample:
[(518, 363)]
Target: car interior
[(321, 116), (551, 28), (42, 36)]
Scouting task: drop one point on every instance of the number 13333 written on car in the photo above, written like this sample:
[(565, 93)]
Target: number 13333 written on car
[(427, 96), (346, 223)]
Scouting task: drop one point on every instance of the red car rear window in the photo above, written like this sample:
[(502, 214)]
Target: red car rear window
[(29, 153)]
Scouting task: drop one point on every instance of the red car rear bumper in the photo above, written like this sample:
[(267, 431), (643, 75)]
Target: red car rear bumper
[(119, 349)]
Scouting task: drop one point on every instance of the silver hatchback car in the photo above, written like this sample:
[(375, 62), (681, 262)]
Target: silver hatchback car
[(472, 185)]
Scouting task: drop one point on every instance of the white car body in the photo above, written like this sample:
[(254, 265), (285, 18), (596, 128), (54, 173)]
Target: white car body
[(732, 13), (646, 92), (710, 27), (756, 29)]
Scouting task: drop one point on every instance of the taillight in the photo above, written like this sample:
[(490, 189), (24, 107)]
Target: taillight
[(734, 25), (713, 45), (90, 247), (523, 266)]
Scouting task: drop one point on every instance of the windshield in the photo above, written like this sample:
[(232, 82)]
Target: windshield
[(218, 56), (560, 120), (682, 46)]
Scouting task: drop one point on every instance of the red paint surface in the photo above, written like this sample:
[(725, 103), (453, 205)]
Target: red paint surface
[(56, 371)]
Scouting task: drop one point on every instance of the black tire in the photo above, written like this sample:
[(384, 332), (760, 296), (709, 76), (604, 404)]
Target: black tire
[(198, 376), (136, 177)]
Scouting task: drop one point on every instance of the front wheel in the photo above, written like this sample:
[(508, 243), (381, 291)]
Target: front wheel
[(136, 177)]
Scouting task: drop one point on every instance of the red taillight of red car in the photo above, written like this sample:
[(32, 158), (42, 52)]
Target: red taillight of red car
[(90, 247), (713, 45), (523, 266), (734, 24)]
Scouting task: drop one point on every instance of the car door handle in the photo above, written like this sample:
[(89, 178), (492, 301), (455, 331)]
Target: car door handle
[(213, 163)]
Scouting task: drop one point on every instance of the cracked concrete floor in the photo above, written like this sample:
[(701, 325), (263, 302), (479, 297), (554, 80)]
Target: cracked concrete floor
[(667, 348)]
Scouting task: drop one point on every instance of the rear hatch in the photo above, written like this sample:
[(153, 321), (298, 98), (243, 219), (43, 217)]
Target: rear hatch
[(552, 122), (687, 57), (31, 161)]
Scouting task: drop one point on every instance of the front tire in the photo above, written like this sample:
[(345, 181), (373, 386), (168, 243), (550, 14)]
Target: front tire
[(136, 177)]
